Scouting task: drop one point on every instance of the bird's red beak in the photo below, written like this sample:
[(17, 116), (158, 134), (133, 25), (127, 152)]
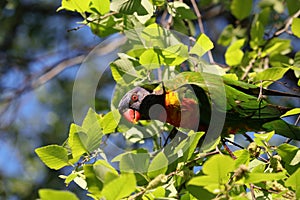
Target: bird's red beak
[(132, 116)]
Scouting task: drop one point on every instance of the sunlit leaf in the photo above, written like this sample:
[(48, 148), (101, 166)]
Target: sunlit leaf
[(159, 165), (75, 141), (288, 154), (294, 182), (54, 156), (128, 7), (265, 136), (296, 159), (120, 187), (155, 36), (269, 75), (49, 194), (93, 183), (151, 58), (110, 121), (202, 45), (101, 6), (104, 171), (90, 118), (294, 111), (277, 46), (260, 177), (175, 55), (75, 5), (215, 167), (181, 10), (234, 54), (135, 162), (296, 27)]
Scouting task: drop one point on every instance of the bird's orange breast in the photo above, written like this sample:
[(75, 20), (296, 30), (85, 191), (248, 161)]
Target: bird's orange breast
[(184, 113)]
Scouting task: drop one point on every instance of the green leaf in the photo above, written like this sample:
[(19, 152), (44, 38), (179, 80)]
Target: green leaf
[(257, 33), (199, 192), (269, 75), (293, 6), (180, 10), (137, 162), (202, 45), (90, 118), (294, 182), (92, 128), (281, 128), (101, 6), (76, 136), (154, 36), (215, 167), (129, 7), (265, 136), (75, 5), (216, 173), (110, 121), (234, 54), (264, 16), (94, 185), (241, 9), (120, 187), (296, 27), (54, 156), (159, 165), (226, 35), (254, 177), (243, 157), (104, 171), (141, 16), (290, 155), (49, 194), (123, 69), (296, 159), (104, 26), (185, 149), (294, 111), (277, 46), (175, 55), (151, 58)]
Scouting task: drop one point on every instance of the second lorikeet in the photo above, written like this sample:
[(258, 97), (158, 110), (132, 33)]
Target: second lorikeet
[(243, 111)]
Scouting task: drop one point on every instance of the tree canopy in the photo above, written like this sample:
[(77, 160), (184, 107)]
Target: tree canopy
[(227, 48)]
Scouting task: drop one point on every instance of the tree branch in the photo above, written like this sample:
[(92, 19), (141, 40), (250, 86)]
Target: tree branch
[(201, 27)]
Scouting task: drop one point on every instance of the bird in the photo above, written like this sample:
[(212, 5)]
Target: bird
[(242, 110)]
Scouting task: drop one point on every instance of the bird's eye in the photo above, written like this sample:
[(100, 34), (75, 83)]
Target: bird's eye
[(134, 97)]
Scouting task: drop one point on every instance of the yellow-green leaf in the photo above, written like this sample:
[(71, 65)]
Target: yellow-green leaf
[(294, 111), (202, 45), (54, 156)]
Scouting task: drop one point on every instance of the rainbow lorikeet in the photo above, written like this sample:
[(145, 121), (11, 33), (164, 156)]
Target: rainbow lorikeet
[(242, 112)]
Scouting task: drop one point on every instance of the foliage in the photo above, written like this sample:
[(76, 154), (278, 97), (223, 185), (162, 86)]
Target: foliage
[(181, 170)]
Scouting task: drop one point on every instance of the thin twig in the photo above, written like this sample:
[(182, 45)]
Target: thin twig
[(233, 143), (201, 27), (228, 150), (288, 24), (252, 191), (248, 68)]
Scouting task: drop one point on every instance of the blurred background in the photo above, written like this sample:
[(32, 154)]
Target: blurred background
[(40, 53), (36, 110)]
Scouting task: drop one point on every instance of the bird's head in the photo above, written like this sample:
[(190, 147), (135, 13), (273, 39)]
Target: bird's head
[(136, 103)]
